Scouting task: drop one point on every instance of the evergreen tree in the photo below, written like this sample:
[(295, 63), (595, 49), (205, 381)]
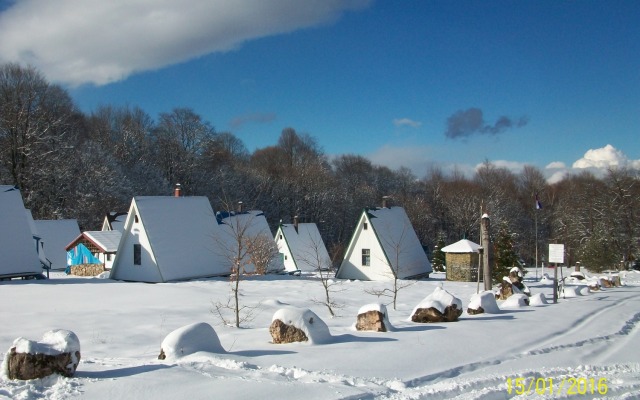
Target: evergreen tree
[(505, 256), (439, 261)]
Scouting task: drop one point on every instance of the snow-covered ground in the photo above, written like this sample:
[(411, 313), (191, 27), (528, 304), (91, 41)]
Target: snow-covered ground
[(588, 343)]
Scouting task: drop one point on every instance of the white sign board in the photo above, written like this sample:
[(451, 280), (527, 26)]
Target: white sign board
[(556, 253)]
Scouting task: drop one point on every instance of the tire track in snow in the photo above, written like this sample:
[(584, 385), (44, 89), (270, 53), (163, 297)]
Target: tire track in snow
[(578, 325)]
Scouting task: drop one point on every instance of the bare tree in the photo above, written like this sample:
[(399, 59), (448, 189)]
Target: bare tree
[(241, 246), (313, 256)]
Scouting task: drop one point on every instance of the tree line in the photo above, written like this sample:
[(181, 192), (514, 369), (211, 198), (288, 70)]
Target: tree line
[(69, 164)]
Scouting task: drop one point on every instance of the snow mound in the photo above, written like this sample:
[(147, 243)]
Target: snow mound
[(584, 290), (439, 299), (274, 303), (546, 279), (486, 300), (54, 342), (517, 300), (578, 274), (382, 309), (571, 291), (307, 321), (538, 299), (104, 275), (191, 339)]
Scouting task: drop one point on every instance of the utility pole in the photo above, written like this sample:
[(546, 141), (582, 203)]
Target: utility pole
[(485, 225)]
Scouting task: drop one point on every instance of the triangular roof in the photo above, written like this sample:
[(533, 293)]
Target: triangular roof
[(246, 224), (396, 238), (56, 234), (177, 232), (462, 246), (18, 255), (305, 244), (114, 221)]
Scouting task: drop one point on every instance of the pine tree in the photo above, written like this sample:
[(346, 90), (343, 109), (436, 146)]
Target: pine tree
[(505, 256), (439, 261)]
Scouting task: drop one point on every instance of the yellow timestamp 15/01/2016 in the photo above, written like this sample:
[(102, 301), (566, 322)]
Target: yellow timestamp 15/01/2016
[(567, 385)]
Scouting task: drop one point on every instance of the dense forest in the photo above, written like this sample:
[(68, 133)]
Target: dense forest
[(72, 165)]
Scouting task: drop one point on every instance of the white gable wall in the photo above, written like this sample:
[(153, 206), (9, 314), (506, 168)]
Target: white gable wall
[(352, 267), (134, 233), (283, 248)]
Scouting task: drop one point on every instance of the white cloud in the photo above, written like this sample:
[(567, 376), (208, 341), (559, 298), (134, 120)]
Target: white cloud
[(556, 165), (406, 122), (605, 157), (98, 41)]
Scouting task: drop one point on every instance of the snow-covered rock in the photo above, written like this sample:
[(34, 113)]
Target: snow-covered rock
[(483, 302), (538, 299), (373, 317), (57, 353), (306, 321), (439, 306), (190, 339)]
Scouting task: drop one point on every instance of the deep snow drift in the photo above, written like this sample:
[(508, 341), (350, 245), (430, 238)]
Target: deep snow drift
[(591, 338)]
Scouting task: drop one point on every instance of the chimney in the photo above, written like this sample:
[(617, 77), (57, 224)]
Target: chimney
[(295, 223), (239, 207), (385, 201), (177, 192)]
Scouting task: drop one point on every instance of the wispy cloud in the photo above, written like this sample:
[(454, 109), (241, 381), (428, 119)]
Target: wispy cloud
[(261, 118), (464, 123), (406, 122), (98, 41)]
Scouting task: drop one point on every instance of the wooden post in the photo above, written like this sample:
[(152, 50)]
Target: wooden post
[(486, 245), (555, 283)]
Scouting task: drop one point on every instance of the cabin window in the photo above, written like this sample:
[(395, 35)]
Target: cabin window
[(137, 254), (108, 257), (285, 257), (136, 219), (365, 226), (281, 237), (366, 257)]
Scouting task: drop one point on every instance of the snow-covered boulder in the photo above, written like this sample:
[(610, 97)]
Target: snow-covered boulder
[(190, 339), (291, 324), (508, 287), (517, 300), (483, 302), (57, 353), (579, 275), (373, 317), (546, 279), (538, 299), (439, 306)]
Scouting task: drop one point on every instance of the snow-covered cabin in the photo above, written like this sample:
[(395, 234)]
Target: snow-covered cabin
[(18, 255), (103, 245), (114, 221), (384, 244), (55, 235), (302, 247), (251, 229), (168, 238), (462, 259)]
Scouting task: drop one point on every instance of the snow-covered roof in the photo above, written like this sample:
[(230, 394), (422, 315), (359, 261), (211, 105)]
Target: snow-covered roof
[(462, 246), (399, 241), (17, 248), (108, 241), (114, 221), (56, 234), (306, 245), (181, 235)]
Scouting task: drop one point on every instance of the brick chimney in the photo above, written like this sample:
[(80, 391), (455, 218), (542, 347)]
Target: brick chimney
[(385, 201), (239, 207), (177, 192)]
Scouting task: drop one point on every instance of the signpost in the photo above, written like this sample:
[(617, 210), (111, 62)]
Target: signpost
[(556, 256)]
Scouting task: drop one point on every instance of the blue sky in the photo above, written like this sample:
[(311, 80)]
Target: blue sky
[(413, 83)]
